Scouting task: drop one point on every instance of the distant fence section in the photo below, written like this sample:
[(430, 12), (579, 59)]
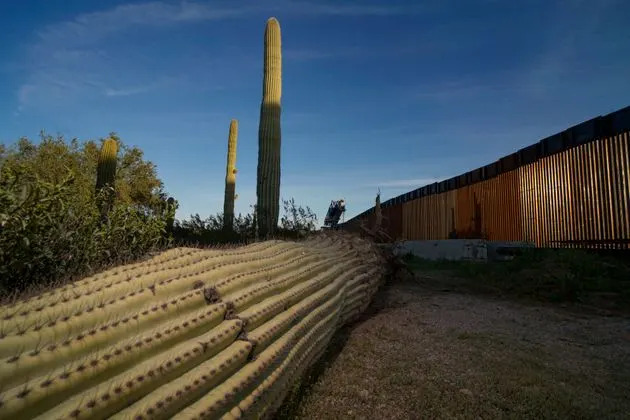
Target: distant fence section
[(571, 189)]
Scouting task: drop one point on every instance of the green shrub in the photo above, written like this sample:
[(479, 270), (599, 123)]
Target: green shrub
[(41, 236), (47, 234), (50, 225), (136, 180), (556, 275)]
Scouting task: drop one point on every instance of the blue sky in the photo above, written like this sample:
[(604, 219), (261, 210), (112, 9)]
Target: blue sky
[(390, 95)]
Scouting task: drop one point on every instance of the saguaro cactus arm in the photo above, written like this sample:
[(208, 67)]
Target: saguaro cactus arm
[(106, 175), (106, 168)]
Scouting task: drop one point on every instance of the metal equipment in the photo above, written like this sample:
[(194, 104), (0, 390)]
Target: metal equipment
[(335, 212)]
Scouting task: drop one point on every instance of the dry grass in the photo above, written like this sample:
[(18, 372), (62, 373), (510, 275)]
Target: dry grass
[(428, 348)]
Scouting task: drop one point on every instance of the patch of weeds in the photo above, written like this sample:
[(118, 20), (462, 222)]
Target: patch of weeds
[(551, 275)]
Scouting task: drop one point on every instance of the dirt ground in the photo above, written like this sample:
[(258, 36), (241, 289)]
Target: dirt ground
[(429, 348)]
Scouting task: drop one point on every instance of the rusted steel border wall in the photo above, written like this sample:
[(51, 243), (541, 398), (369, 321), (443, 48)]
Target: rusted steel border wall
[(568, 190)]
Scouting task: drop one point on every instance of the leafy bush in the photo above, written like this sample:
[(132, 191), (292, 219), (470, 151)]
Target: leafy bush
[(40, 237), (50, 226), (137, 183)]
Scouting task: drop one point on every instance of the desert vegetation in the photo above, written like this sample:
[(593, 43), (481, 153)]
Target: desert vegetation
[(111, 307), (57, 223), (542, 336), (191, 333), (114, 308)]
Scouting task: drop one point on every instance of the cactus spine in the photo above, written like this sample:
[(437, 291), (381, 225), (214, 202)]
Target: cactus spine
[(268, 185), (230, 178), (106, 174)]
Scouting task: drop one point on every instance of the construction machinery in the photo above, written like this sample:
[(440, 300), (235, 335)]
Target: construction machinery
[(335, 212)]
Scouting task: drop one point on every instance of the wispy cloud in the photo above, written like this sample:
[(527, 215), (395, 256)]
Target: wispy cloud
[(403, 183), (55, 73), (68, 58), (470, 86), (140, 88), (310, 54), (563, 55), (127, 91), (455, 90), (24, 94), (338, 9), (89, 27), (433, 43)]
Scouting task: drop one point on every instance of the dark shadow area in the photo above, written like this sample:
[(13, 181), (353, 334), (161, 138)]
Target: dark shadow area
[(434, 351), (575, 279), (289, 408)]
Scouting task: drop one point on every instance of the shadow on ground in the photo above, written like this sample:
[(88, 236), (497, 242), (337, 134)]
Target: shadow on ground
[(430, 348), (290, 407)]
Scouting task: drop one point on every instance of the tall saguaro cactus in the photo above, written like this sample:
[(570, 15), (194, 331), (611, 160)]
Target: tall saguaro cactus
[(268, 185), (230, 178), (106, 174)]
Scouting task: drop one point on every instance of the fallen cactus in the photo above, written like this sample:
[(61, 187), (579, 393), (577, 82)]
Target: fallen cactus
[(189, 333)]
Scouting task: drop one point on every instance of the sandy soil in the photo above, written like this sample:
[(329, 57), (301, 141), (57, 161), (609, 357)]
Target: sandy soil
[(427, 348)]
